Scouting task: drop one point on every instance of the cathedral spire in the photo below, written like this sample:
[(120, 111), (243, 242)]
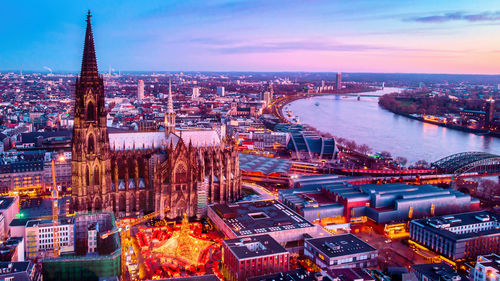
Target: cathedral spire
[(170, 105), (89, 61)]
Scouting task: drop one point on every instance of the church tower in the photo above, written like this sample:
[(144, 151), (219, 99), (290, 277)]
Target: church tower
[(91, 169), (170, 114)]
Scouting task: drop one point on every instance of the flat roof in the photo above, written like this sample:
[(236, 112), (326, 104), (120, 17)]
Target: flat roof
[(258, 217), (340, 245), (436, 271), (444, 225), (254, 246), (6, 202)]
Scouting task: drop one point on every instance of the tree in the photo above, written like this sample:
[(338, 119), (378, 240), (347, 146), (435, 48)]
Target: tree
[(364, 149), (351, 145), (422, 163), (401, 160)]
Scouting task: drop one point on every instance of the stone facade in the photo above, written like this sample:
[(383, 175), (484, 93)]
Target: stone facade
[(130, 180)]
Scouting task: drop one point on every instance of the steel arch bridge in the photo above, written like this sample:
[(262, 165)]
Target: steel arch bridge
[(468, 162)]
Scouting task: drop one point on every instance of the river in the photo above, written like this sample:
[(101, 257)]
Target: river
[(365, 122)]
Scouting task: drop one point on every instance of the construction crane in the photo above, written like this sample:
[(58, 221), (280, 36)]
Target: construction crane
[(126, 226), (55, 211)]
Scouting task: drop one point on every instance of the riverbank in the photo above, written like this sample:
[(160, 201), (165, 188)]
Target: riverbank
[(481, 132), (365, 122)]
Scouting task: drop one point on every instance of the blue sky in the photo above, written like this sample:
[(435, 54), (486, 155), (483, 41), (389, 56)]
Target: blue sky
[(446, 36)]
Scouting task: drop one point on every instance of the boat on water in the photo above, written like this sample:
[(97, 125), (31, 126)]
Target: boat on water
[(316, 103)]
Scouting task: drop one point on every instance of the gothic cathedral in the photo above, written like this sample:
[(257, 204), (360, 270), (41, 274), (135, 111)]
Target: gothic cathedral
[(133, 173)]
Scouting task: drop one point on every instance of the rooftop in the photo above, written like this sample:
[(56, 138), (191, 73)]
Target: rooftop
[(438, 271), (340, 245), (461, 226), (255, 246), (259, 217)]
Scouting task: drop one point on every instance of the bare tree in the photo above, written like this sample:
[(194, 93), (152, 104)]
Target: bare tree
[(364, 149), (401, 160)]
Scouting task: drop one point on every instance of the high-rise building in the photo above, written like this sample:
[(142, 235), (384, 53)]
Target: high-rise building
[(490, 112), (338, 84), (220, 91), (196, 93), (140, 90)]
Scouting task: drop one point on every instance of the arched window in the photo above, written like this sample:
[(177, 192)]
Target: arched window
[(180, 174), (91, 145), (91, 112), (87, 176), (96, 175)]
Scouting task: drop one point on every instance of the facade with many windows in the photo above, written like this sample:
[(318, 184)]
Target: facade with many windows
[(459, 236), (39, 236), (253, 256), (340, 251)]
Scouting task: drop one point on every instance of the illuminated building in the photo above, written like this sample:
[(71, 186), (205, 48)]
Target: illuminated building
[(340, 251), (39, 236), (458, 236), (21, 171), (386, 203), (338, 79), (253, 256), (311, 147), (489, 112), (249, 219), (132, 173), (487, 268)]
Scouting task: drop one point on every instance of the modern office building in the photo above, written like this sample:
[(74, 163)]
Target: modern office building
[(331, 196), (458, 236), (220, 91), (39, 236), (340, 251), (338, 79), (253, 256), (487, 268), (249, 219)]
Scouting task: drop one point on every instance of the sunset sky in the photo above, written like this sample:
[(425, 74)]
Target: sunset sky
[(424, 36)]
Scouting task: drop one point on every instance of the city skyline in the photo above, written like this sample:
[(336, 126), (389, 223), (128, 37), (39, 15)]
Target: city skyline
[(331, 36)]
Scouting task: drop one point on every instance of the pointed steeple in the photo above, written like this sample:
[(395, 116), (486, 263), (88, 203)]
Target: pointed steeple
[(170, 105), (89, 61)]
